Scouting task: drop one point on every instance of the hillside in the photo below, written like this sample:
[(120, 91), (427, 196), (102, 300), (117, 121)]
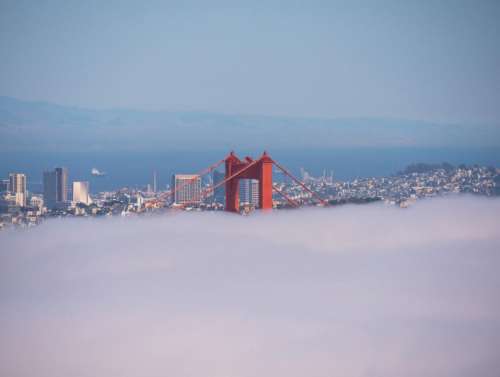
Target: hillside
[(48, 127)]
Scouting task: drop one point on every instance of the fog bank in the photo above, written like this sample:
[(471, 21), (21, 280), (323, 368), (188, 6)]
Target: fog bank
[(363, 290)]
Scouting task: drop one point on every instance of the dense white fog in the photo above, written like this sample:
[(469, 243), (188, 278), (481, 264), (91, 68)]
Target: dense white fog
[(364, 290)]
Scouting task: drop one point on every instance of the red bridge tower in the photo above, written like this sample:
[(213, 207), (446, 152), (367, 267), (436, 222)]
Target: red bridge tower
[(261, 169)]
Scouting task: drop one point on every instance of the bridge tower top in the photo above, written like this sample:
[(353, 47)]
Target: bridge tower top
[(260, 169)]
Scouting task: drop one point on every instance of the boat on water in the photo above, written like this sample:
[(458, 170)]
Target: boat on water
[(97, 173)]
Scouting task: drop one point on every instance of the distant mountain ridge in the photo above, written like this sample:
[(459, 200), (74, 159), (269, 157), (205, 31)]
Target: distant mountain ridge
[(41, 126)]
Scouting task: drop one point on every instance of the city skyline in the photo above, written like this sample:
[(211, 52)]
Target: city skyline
[(237, 190)]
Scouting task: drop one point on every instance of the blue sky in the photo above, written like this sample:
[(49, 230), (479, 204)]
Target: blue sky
[(430, 60)]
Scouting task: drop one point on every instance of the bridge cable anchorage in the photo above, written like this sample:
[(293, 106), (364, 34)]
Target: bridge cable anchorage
[(322, 201), (188, 181), (288, 199)]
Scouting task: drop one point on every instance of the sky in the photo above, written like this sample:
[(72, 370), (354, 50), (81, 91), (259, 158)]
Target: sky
[(368, 290), (424, 60)]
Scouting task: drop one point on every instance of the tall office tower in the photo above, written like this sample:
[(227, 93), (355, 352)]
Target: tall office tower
[(55, 187), (220, 192), (254, 192), (81, 193), (17, 186), (139, 200), (4, 185), (187, 188), (249, 192), (244, 191), (155, 181), (49, 189)]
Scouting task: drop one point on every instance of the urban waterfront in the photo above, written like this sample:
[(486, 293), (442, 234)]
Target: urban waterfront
[(20, 208)]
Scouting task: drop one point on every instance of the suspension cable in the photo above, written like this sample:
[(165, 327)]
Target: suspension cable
[(288, 199), (210, 189), (324, 202)]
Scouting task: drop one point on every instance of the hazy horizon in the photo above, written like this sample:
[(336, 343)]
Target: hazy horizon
[(130, 145), (136, 109)]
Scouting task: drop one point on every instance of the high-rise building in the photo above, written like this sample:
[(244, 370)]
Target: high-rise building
[(155, 181), (254, 192), (219, 192), (187, 188), (4, 185), (17, 186), (49, 189), (55, 187), (62, 184), (139, 200), (244, 191), (249, 192), (81, 192)]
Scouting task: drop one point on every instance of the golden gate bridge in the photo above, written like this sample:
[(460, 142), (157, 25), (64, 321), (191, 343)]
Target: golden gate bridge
[(260, 169)]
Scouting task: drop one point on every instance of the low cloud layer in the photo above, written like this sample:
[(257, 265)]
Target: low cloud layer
[(349, 291)]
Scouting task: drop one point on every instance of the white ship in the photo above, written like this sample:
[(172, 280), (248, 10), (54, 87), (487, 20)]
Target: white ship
[(96, 173)]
